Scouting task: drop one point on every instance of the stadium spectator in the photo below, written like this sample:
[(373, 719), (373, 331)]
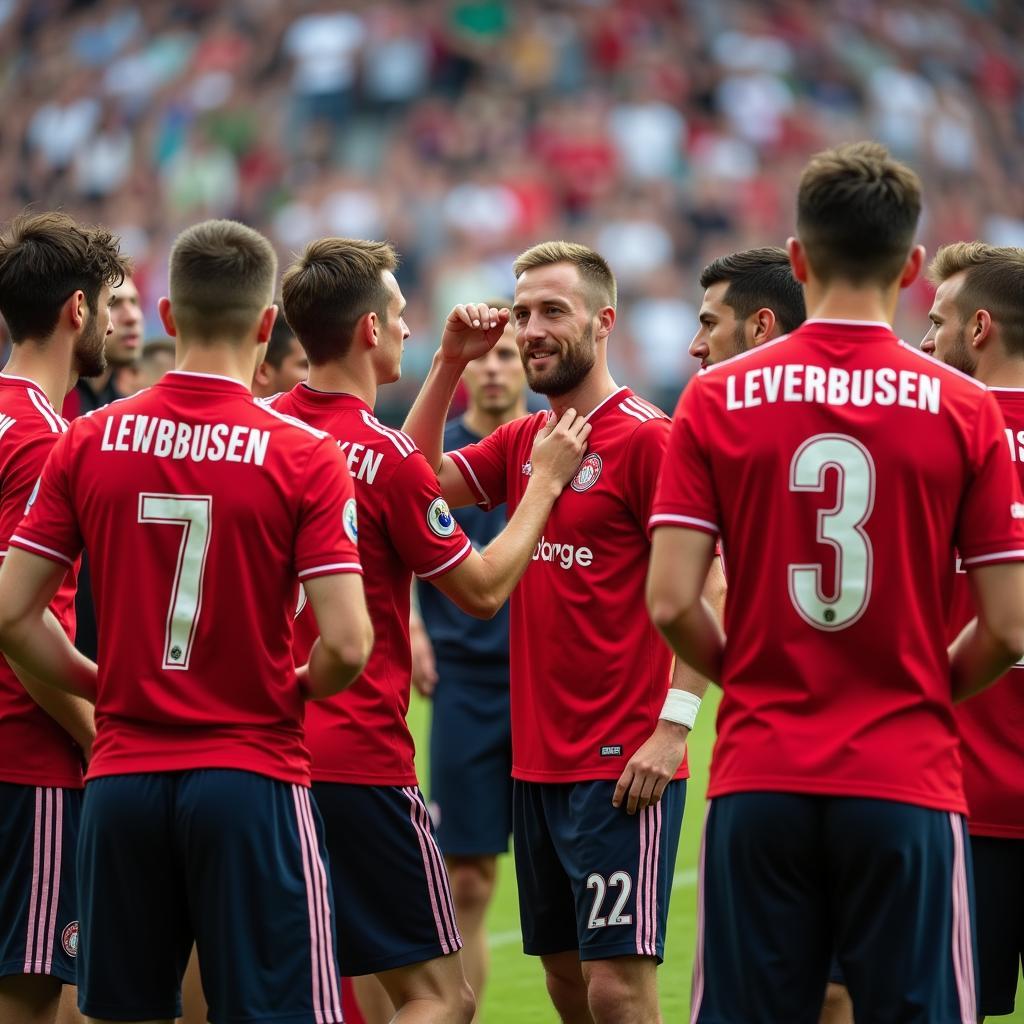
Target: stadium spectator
[(197, 821), (343, 301), (284, 365), (597, 808), (464, 666), (836, 809), (55, 285), (977, 326)]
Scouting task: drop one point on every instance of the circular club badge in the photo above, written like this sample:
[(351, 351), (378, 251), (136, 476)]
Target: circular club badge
[(350, 518), (586, 476), (69, 939), (440, 518)]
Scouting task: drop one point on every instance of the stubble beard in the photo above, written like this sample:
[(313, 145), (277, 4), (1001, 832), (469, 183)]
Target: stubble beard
[(90, 360), (575, 363)]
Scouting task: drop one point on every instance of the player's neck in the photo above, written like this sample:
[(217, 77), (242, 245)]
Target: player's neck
[(591, 392), (840, 300), (483, 423), (220, 360), (46, 367), (1001, 373), (338, 379), (97, 384)]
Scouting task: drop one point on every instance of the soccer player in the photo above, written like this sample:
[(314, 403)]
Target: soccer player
[(55, 287), (201, 510), (284, 365), (470, 730), (598, 737), (750, 297), (840, 467), (978, 327), (346, 308)]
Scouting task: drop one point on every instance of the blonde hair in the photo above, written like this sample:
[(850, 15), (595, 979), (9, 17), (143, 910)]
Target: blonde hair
[(596, 276)]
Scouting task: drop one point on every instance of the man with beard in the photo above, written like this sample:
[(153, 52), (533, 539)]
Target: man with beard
[(56, 281), (466, 673), (598, 734), (978, 327)]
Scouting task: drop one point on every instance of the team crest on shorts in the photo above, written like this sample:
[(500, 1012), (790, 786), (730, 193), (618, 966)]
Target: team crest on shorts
[(440, 518), (69, 939), (586, 476), (350, 518)]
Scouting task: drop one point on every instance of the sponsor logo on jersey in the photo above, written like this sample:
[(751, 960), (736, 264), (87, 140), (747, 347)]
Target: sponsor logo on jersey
[(586, 476), (440, 518), (566, 555), (69, 939), (1017, 510), (611, 751), (351, 520)]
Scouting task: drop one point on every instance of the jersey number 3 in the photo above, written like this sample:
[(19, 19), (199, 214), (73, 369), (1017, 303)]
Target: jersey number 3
[(841, 527), (192, 514)]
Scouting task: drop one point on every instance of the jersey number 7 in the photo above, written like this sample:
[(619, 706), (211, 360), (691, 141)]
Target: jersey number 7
[(192, 514)]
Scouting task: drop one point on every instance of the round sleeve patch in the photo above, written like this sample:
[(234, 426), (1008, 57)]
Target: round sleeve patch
[(440, 518), (350, 519)]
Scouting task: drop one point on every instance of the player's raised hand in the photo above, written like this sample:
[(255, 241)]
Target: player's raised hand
[(652, 767), (559, 446), (471, 331)]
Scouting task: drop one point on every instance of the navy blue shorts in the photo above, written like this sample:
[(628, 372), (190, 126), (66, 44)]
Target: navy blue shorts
[(231, 859), (390, 884), (471, 763), (999, 897), (592, 877), (786, 879), (38, 890)]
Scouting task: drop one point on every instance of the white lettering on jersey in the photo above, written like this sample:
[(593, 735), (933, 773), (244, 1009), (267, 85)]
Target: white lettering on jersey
[(566, 555), (833, 385), (1016, 443), (368, 458), (170, 439)]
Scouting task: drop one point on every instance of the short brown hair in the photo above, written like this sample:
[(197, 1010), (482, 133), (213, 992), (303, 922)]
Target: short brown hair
[(595, 274), (44, 259), (994, 281), (221, 279), (857, 212), (759, 278), (330, 288)]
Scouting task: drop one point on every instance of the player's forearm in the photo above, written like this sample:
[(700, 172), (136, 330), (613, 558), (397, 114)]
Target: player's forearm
[(505, 559), (695, 635), (73, 714), (426, 419), (334, 667), (40, 647), (977, 658)]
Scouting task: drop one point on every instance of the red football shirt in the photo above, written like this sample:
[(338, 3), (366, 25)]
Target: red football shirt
[(361, 736), (589, 672), (992, 723), (841, 467), (36, 750), (199, 509)]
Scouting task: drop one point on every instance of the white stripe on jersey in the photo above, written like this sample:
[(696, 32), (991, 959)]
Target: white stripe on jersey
[(333, 567), (469, 469), (668, 519), (451, 561), (636, 411), (405, 444), (40, 547), (54, 422), (1013, 556), (285, 418), (605, 401)]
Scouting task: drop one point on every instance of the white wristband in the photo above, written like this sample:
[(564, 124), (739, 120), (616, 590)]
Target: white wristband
[(680, 707)]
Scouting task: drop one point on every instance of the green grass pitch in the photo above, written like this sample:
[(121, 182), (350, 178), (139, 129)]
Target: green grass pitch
[(515, 993)]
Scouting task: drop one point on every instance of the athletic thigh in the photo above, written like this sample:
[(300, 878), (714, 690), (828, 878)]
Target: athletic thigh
[(135, 930), (900, 880), (394, 903), (763, 930), (470, 764), (260, 898), (999, 914), (38, 884)]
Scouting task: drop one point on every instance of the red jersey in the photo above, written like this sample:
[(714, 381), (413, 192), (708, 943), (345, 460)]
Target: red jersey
[(36, 750), (360, 736), (589, 672), (199, 509), (992, 723), (841, 467)]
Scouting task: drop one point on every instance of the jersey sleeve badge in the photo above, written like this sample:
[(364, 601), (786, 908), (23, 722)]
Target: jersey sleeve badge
[(440, 518), (350, 519)]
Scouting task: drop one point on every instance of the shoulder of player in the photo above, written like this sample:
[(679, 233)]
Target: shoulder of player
[(26, 412)]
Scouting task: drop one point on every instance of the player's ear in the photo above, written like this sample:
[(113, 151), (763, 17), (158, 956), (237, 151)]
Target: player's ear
[(797, 259), (261, 378), (163, 307), (77, 309), (266, 325), (981, 328), (366, 331), (912, 268), (605, 321), (763, 323)]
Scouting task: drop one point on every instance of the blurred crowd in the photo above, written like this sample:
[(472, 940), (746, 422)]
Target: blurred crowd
[(662, 132)]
